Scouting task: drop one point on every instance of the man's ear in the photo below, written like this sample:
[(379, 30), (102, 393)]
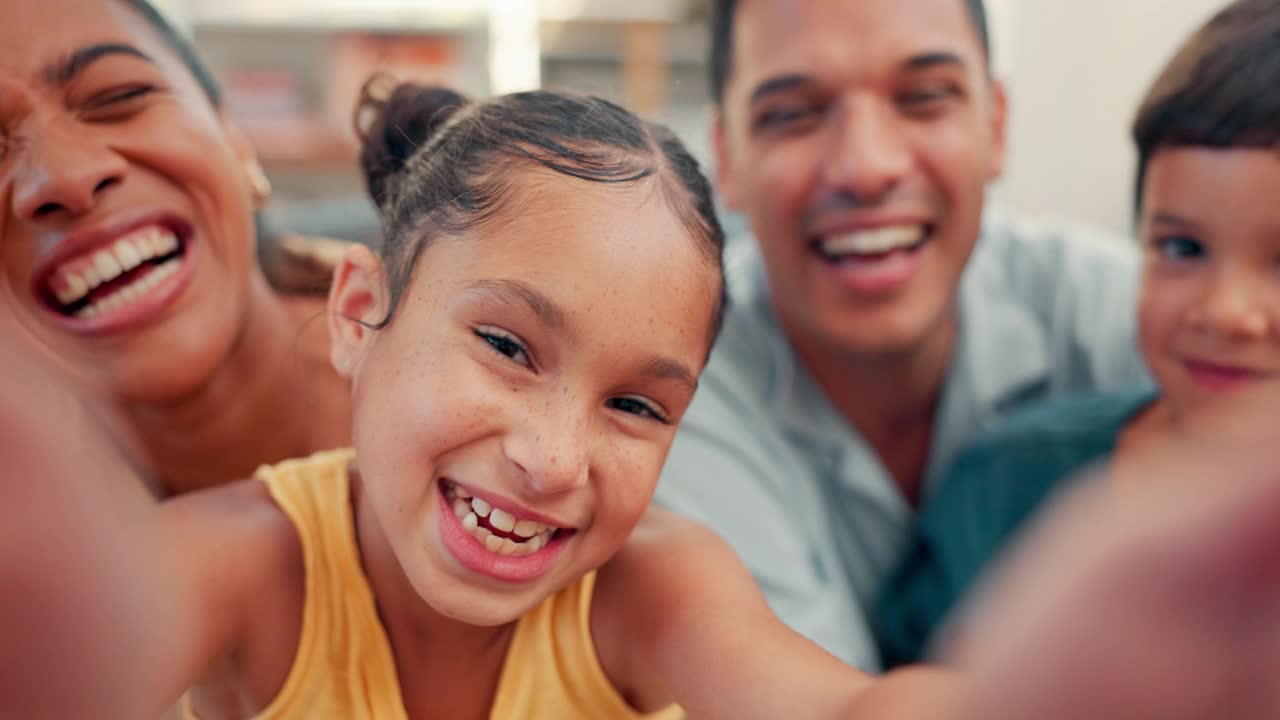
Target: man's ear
[(724, 162), (999, 128), (358, 300)]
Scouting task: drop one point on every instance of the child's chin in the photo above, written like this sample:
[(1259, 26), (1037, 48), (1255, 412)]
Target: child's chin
[(481, 606)]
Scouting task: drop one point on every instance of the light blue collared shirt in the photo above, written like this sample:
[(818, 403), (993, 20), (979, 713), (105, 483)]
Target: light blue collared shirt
[(764, 458)]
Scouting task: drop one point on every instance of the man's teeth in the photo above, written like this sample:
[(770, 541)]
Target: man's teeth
[(470, 509), (873, 242), (77, 278)]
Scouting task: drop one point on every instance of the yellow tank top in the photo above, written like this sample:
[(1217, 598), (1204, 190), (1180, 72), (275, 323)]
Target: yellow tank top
[(344, 667)]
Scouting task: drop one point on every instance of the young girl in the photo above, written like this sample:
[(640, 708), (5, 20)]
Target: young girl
[(520, 356), (1208, 320)]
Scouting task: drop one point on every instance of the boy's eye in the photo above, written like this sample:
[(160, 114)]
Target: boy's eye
[(506, 344), (1180, 247), (635, 406)]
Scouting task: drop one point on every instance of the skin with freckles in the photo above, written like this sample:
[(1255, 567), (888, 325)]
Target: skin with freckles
[(105, 133)]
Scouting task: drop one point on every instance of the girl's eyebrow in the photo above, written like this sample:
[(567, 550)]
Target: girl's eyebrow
[(515, 291), (665, 368)]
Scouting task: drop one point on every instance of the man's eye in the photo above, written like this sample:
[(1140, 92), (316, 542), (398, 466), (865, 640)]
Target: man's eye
[(926, 99), (788, 117)]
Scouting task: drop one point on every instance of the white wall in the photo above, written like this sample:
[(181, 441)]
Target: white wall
[(1076, 70)]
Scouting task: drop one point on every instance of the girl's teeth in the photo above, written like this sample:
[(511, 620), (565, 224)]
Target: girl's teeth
[(481, 507), (508, 547), (470, 522), (502, 520), (527, 528), (493, 543), (461, 508)]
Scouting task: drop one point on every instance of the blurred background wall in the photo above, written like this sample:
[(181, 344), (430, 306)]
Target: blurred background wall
[(292, 68)]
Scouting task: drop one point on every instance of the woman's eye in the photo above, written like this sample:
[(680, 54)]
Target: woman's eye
[(112, 99), (634, 406), (508, 345), (1180, 247)]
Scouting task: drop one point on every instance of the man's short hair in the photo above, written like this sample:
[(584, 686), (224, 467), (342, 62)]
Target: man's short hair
[(723, 13), (1221, 90)]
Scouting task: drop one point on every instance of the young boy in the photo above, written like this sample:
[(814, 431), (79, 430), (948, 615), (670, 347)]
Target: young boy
[(1208, 139)]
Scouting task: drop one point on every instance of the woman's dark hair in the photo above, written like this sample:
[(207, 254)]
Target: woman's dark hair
[(180, 45), (1221, 90), (438, 164)]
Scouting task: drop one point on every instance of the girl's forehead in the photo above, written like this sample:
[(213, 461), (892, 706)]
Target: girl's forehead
[(605, 254)]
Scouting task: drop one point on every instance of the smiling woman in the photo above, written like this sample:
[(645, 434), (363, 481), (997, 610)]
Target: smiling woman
[(128, 242)]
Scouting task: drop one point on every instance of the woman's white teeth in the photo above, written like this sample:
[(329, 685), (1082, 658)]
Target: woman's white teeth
[(125, 254), (130, 292), (871, 242)]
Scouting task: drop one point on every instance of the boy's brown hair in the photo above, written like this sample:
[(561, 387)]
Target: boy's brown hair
[(1221, 89)]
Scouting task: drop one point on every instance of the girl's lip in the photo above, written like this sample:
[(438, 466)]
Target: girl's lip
[(510, 506), (472, 555)]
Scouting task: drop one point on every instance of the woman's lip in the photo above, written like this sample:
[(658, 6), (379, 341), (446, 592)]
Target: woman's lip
[(473, 556), (88, 240)]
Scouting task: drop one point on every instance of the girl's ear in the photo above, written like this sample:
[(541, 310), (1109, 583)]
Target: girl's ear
[(357, 300)]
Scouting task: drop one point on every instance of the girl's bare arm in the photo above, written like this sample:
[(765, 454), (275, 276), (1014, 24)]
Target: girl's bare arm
[(678, 617)]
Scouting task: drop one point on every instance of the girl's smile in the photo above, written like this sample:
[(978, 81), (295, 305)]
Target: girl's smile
[(497, 538)]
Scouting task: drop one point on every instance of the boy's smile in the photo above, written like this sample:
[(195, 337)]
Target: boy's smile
[(1209, 317)]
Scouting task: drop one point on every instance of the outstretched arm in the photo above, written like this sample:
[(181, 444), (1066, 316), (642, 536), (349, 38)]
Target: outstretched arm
[(678, 618), (106, 611)]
